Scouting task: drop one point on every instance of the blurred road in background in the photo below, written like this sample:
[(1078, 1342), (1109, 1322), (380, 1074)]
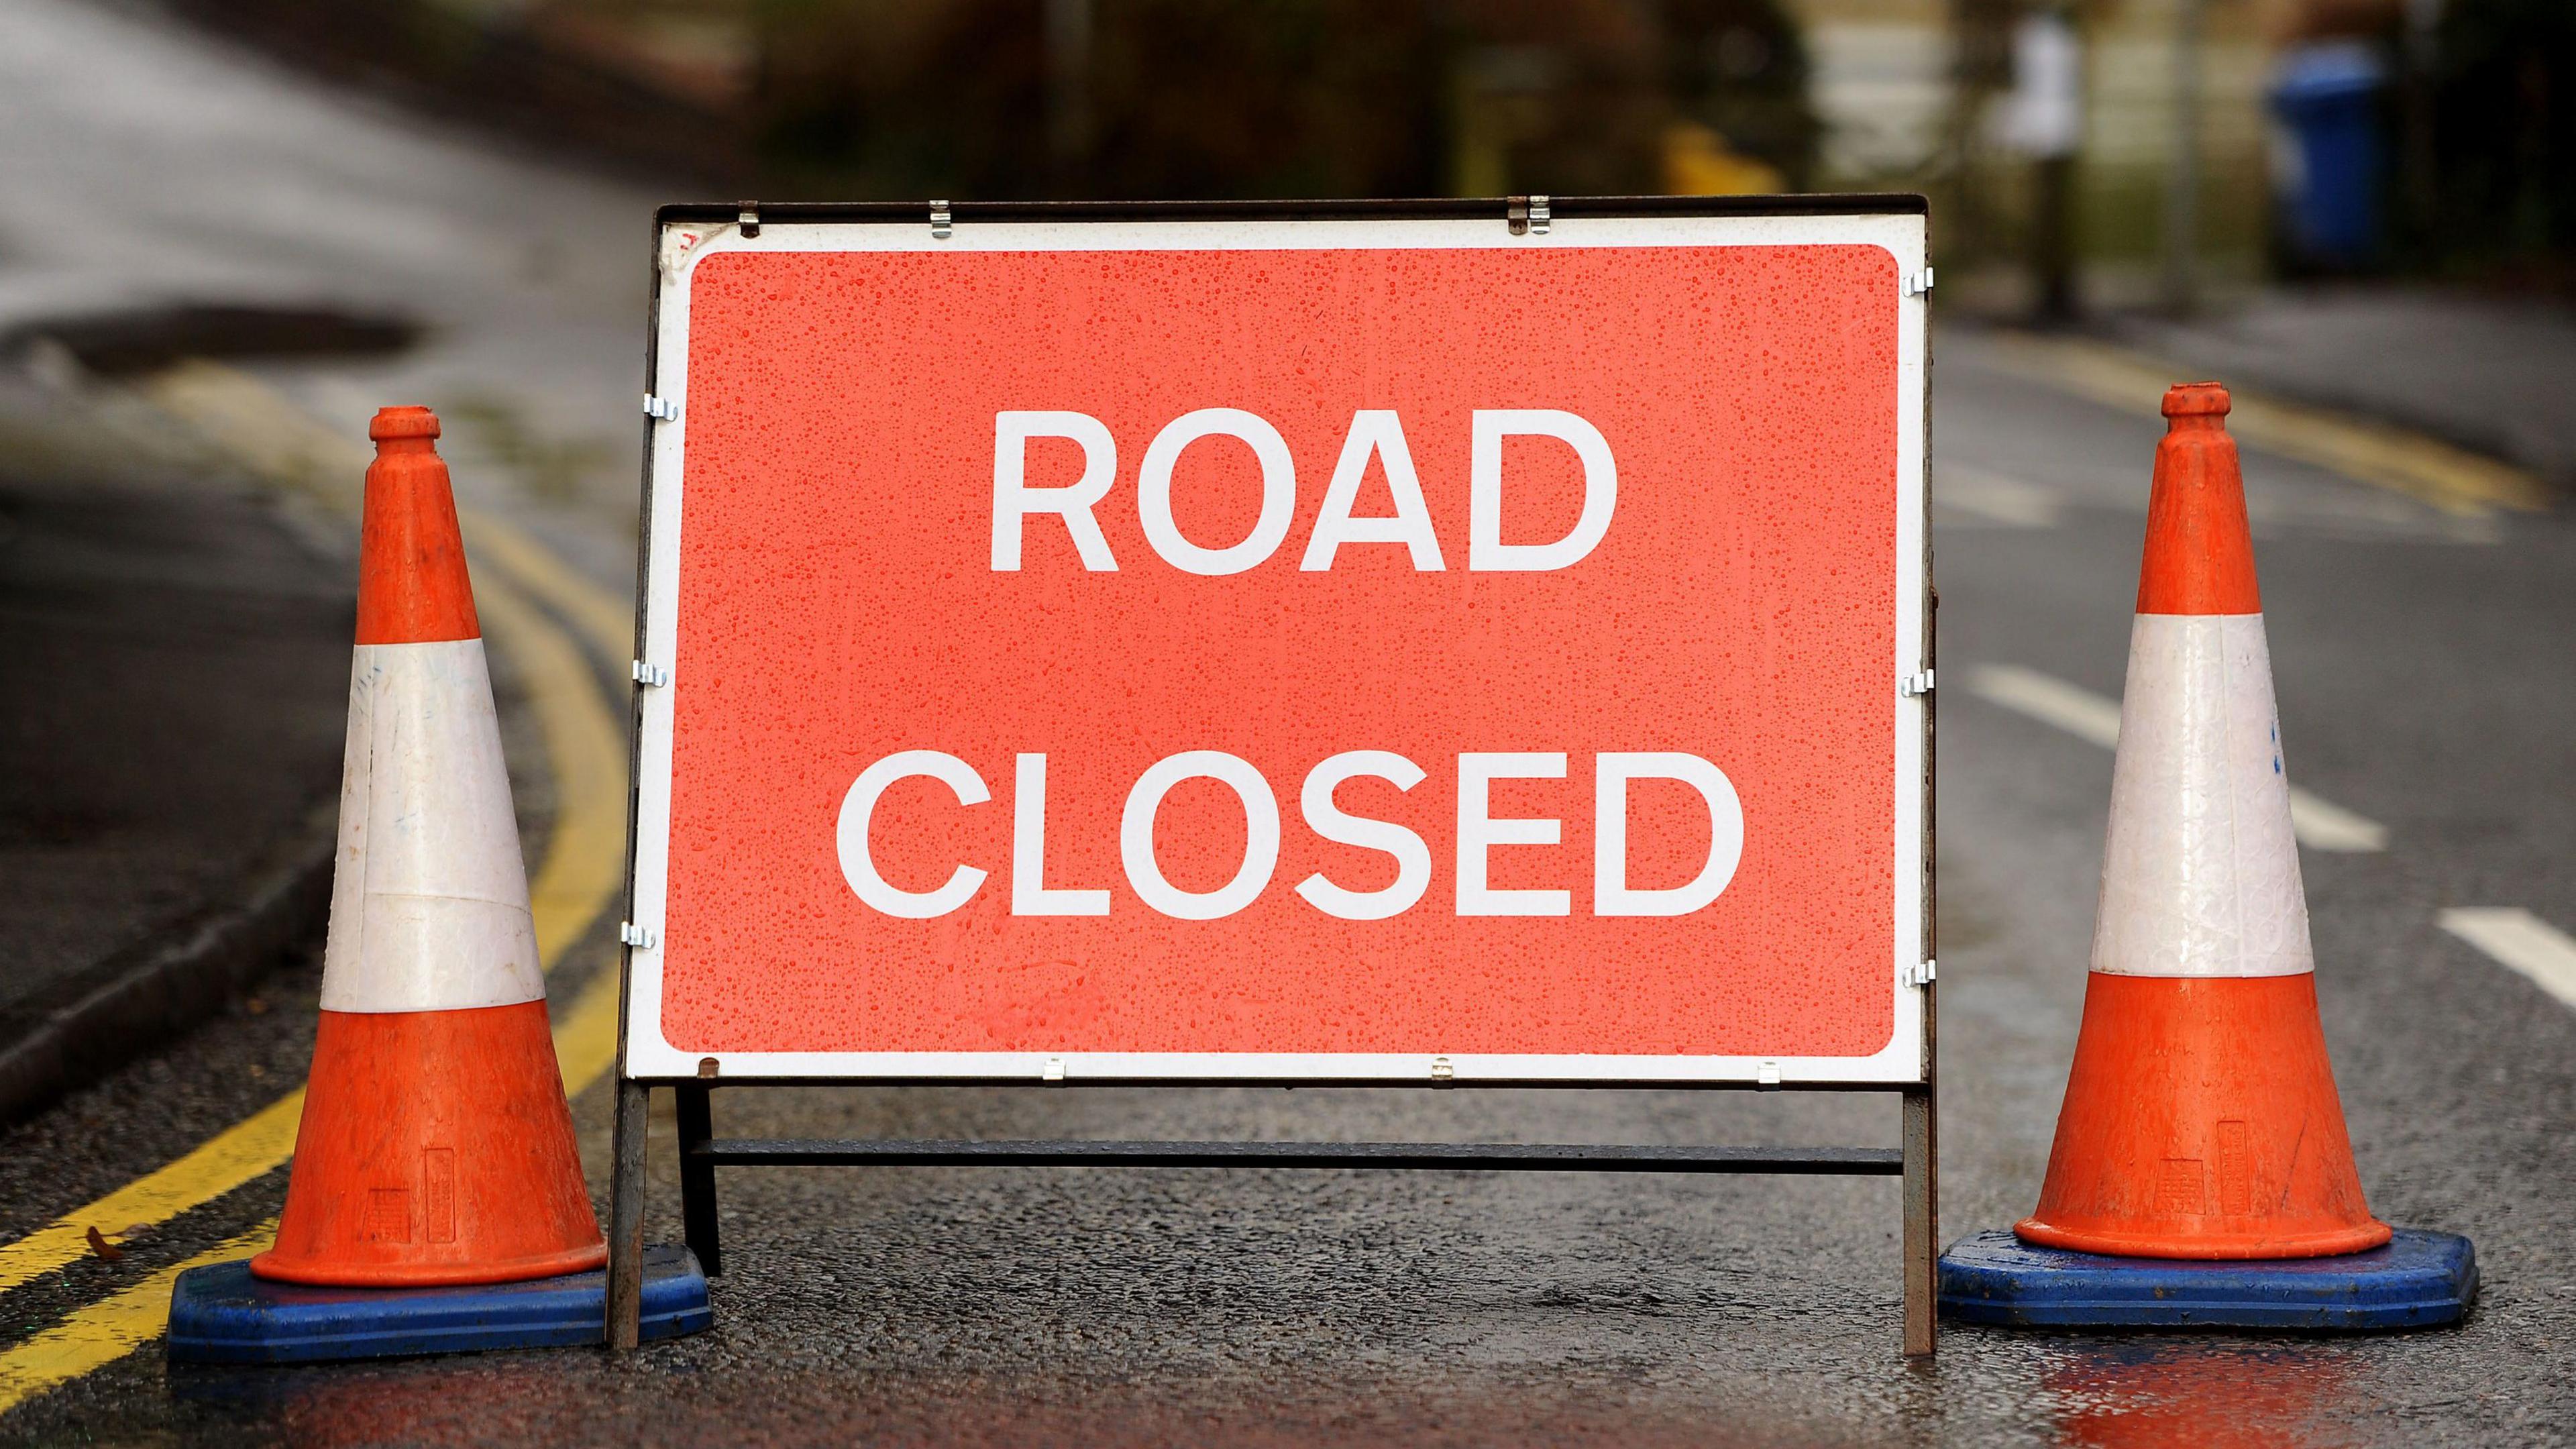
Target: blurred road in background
[(2418, 608)]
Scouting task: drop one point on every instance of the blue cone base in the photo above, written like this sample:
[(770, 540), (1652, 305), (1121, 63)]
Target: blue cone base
[(222, 1314), (2417, 1280)]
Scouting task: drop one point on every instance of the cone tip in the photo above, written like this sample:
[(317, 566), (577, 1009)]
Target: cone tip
[(402, 422), (2196, 399), (412, 583), (2200, 555)]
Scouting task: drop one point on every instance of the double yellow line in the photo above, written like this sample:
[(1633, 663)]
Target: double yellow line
[(582, 871), (2432, 472)]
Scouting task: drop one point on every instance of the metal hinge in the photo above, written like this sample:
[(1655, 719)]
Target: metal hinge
[(1915, 284), (642, 938), (651, 676), (939, 220), (750, 218), (1441, 1072), (1923, 975), (1525, 214), (661, 407), (1914, 685)]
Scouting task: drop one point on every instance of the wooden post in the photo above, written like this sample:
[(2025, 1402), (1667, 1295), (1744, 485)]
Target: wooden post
[(1922, 1222), (626, 1219)]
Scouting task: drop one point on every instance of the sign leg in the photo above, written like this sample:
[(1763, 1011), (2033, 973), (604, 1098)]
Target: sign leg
[(1922, 1223), (698, 1177), (626, 1219)]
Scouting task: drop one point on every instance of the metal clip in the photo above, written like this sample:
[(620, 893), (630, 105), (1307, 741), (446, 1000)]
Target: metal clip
[(939, 220), (1538, 215), (1516, 214), (1922, 975), (1054, 1071), (709, 1068), (661, 407), (1766, 1074), (1441, 1072), (750, 218), (642, 938), (1915, 284), (651, 676), (1913, 685)]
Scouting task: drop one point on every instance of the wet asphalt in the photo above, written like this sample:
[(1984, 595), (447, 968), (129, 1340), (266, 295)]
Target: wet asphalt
[(2425, 682), (2422, 683)]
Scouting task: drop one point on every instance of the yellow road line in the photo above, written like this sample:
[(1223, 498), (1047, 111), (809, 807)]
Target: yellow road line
[(583, 870), (585, 864), (98, 1334), (581, 874), (607, 618), (264, 430), (102, 1332), (2451, 479), (111, 1328), (586, 1042), (227, 1160)]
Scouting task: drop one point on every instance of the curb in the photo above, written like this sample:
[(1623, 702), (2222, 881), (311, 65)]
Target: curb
[(98, 1019)]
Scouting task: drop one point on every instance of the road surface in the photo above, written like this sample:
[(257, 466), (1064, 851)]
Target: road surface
[(2425, 682)]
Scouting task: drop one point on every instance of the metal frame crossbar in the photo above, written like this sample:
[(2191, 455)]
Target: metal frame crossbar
[(701, 1152)]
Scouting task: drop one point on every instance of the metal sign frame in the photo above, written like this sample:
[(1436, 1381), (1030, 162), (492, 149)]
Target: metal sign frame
[(684, 233)]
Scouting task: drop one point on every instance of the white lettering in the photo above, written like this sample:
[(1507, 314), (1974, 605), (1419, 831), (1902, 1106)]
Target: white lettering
[(1278, 491), (1478, 832), (1485, 547), (1260, 829), (1374, 430), (1029, 893), (859, 806), (1014, 500), (1610, 893), (1412, 857)]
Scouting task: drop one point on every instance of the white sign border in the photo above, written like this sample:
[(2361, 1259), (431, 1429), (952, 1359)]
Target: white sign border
[(682, 245)]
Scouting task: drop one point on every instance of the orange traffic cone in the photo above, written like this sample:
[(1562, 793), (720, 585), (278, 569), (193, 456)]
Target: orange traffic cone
[(2201, 1119), (436, 1146)]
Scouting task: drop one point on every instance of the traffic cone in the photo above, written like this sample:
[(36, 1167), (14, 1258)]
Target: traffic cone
[(436, 1146), (2201, 1174), (2201, 1119)]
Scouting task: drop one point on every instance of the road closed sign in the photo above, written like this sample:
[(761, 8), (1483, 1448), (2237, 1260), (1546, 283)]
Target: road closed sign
[(1185, 644)]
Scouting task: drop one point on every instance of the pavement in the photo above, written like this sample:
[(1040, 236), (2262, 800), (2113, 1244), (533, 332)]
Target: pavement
[(165, 792), (2417, 614)]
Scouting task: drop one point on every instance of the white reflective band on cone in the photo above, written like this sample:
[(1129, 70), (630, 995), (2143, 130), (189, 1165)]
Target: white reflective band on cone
[(2200, 876), (429, 898)]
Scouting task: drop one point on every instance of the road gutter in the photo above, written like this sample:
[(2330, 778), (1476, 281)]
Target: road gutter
[(86, 1025)]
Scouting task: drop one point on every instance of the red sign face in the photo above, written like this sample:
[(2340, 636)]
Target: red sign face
[(1286, 649)]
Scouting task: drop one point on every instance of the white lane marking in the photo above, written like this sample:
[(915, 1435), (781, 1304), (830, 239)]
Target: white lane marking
[(2522, 942), (1997, 497), (2319, 824), (2050, 700), (2324, 825)]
